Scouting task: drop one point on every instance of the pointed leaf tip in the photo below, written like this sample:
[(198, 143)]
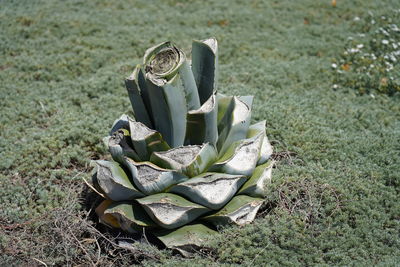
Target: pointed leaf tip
[(131, 216), (256, 186), (150, 178), (212, 190), (202, 124), (145, 140), (120, 123), (205, 67), (240, 210), (190, 160), (241, 157), (233, 120), (171, 211), (114, 182), (187, 239)]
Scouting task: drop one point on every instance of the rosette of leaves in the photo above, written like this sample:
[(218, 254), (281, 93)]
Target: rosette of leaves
[(188, 160)]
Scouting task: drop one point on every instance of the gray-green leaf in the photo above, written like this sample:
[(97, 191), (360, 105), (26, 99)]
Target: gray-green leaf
[(171, 211), (119, 145), (130, 216), (190, 160), (150, 178), (266, 148), (241, 157), (145, 140), (212, 190), (168, 104), (120, 123), (240, 210), (186, 239), (256, 186), (202, 124), (205, 67), (235, 122), (114, 182), (135, 85)]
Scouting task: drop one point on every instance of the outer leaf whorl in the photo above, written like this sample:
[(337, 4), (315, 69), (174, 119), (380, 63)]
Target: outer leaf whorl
[(188, 155)]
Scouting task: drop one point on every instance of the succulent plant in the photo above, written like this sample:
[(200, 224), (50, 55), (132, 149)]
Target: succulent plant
[(188, 160)]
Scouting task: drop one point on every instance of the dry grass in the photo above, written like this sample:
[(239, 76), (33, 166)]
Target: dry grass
[(70, 237)]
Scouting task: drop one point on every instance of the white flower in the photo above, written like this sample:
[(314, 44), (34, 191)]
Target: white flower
[(372, 22), (335, 86), (390, 67), (334, 66), (385, 32), (372, 95), (359, 46), (394, 27), (356, 19), (385, 42)]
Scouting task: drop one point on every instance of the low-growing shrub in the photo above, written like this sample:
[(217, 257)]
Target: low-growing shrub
[(370, 60)]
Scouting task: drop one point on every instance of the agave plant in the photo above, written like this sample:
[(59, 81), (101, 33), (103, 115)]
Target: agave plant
[(188, 160)]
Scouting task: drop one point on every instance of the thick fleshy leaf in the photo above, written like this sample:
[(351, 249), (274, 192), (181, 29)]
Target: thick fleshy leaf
[(235, 123), (132, 84), (168, 104), (241, 157), (145, 140), (225, 106), (202, 124), (106, 219), (240, 210), (256, 186), (190, 160), (247, 99), (212, 190), (150, 178), (114, 182), (131, 216), (256, 129), (171, 211), (120, 123), (266, 151), (266, 148), (186, 239), (163, 61), (119, 144), (205, 67), (187, 78)]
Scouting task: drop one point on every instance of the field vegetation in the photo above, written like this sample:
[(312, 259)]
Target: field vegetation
[(334, 200)]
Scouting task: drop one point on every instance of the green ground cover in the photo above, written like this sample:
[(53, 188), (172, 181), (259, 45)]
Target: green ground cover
[(335, 191)]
